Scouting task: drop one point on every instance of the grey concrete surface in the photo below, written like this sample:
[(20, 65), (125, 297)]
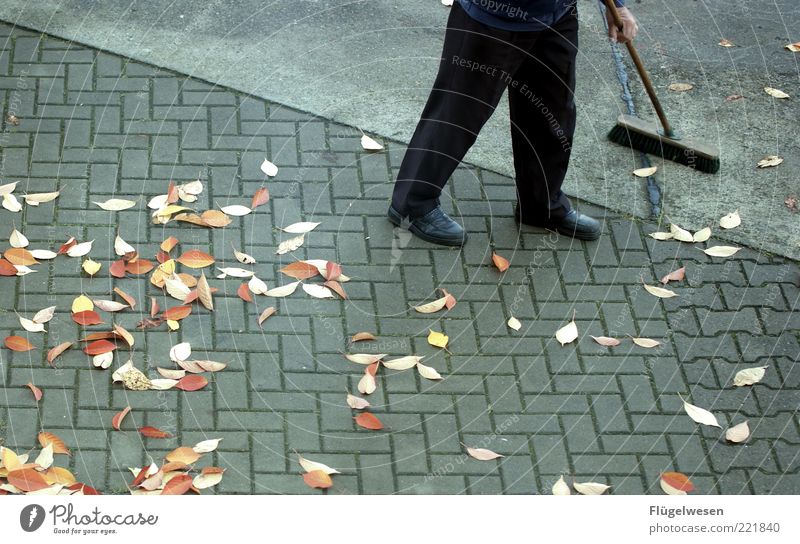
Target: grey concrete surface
[(370, 64)]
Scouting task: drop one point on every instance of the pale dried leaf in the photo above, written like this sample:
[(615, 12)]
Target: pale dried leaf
[(749, 376), (514, 323), (290, 245), (606, 341), (364, 358), (431, 307), (116, 204), (661, 235), (257, 286), (11, 203), (243, 258), (403, 363), (700, 415), (702, 235), (770, 161), (738, 433), (236, 272), (775, 93), (367, 384), (568, 333), (310, 466), (675, 275), (17, 239), (110, 305), (236, 210), (121, 247), (680, 234), (164, 384), (369, 144), (659, 292), (30, 325), (180, 352), (317, 291), (730, 221), (561, 487), (721, 251), (646, 342), (45, 457), (300, 228), (590, 488), (283, 290), (44, 315), (357, 403), (645, 172), (428, 372), (482, 454), (43, 254), (79, 250), (269, 169), (680, 87), (207, 446)]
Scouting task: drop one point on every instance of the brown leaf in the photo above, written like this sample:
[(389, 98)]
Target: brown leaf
[(87, 318), (332, 270), (46, 438), (149, 323), (152, 432), (17, 343), (300, 270), (266, 314), (154, 308), (178, 485), (361, 336), (336, 287), (368, 421), (176, 313), (7, 269), (58, 350), (184, 455), (317, 479), (244, 292), (195, 259), (675, 275), (126, 297), (20, 256), (116, 421), (37, 393), (501, 263), (191, 383), (260, 197)]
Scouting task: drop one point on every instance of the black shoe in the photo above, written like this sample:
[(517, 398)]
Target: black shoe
[(435, 227), (574, 224)]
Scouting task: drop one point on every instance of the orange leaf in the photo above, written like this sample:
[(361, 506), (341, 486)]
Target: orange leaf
[(162, 257), (195, 259), (46, 438), (18, 343), (368, 421), (84, 489), (58, 350), (116, 421), (360, 336), (126, 297), (177, 313), (317, 479), (87, 318), (7, 269), (139, 266), (27, 479), (678, 481), (215, 218), (152, 432), (244, 293), (260, 197), (20, 256), (372, 369), (500, 262), (332, 271), (168, 244), (99, 347), (172, 193), (183, 455), (37, 393), (336, 287), (118, 268), (191, 383), (300, 270)]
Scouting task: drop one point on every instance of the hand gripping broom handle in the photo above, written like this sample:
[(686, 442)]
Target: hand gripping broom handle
[(651, 92)]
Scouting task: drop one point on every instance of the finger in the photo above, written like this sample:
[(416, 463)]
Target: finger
[(612, 32)]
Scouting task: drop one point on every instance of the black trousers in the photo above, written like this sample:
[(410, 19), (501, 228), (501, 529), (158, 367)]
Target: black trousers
[(479, 62)]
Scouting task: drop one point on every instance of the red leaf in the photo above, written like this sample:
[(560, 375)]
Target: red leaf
[(17, 343), (372, 369), (152, 432), (332, 270), (177, 313), (83, 488), (116, 421), (678, 481), (260, 197), (178, 485), (139, 266), (451, 300), (56, 351), (7, 269), (244, 293), (336, 287), (368, 421), (37, 393), (99, 346), (118, 268), (66, 245), (87, 318), (317, 479), (192, 382), (162, 257)]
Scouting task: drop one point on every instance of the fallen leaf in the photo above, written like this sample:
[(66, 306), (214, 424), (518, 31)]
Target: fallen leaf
[(726, 43), (738, 433), (661, 235), (680, 87), (192, 383), (116, 421), (87, 318), (680, 234), (99, 347), (269, 169), (721, 251), (243, 258), (568, 333), (561, 487), (176, 313), (110, 305), (317, 479), (180, 352), (645, 172), (606, 341), (367, 384), (45, 458), (675, 483), (205, 479), (730, 221), (11, 203), (283, 290), (207, 446), (290, 245), (236, 210), (590, 488), (17, 239), (482, 454), (659, 292), (204, 293), (7, 269), (266, 314), (195, 259), (775, 93), (37, 393), (59, 447), (30, 325), (368, 421), (116, 204), (300, 270), (431, 307), (300, 228), (369, 144), (733, 97), (178, 485), (364, 358), (260, 197), (311, 466), (501, 263), (361, 336), (675, 275), (337, 288), (428, 372), (514, 323), (403, 363), (20, 256), (700, 415), (79, 250), (57, 350), (646, 342), (357, 403), (317, 291), (182, 454), (153, 432), (18, 343), (27, 479), (793, 47), (749, 376), (701, 235), (437, 339), (214, 218)]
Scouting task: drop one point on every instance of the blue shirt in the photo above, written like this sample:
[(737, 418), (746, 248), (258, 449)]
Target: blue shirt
[(526, 15)]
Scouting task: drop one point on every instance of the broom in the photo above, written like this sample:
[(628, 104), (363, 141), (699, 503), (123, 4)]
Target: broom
[(646, 137)]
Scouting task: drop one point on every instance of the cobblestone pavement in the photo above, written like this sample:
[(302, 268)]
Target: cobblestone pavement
[(96, 126)]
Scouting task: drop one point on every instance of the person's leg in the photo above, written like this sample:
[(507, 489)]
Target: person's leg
[(543, 121), (475, 67)]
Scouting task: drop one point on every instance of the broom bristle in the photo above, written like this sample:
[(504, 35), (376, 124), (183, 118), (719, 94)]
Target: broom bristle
[(663, 148)]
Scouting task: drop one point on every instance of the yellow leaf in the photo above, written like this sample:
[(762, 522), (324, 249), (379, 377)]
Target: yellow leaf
[(82, 304), (91, 267), (438, 339)]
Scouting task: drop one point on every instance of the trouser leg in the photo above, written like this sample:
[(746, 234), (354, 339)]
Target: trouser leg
[(543, 120), (473, 73)]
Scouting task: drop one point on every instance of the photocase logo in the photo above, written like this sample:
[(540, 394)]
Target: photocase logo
[(31, 518)]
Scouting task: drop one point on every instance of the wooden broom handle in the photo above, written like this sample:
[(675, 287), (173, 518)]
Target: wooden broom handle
[(648, 85)]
